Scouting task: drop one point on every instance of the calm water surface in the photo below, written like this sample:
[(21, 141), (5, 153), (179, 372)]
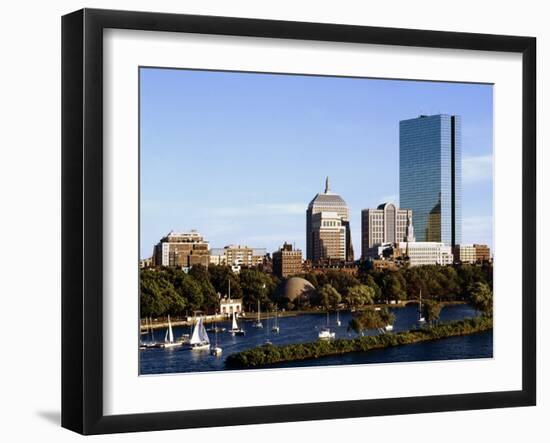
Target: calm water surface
[(304, 328)]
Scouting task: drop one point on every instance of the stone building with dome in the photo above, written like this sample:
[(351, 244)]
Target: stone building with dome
[(296, 290), (328, 234)]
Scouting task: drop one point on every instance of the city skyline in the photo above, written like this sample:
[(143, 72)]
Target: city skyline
[(239, 156)]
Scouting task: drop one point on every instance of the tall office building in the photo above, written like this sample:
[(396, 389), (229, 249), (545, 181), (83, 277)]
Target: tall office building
[(333, 203), (430, 176), (329, 237), (385, 224)]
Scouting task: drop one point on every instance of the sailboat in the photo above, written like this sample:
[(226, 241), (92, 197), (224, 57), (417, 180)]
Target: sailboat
[(275, 327), (338, 322), (258, 323), (421, 318), (216, 350), (199, 339), (325, 333), (169, 337), (267, 340), (235, 330)]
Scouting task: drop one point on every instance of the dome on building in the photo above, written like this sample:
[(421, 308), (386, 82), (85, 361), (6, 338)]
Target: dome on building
[(295, 288)]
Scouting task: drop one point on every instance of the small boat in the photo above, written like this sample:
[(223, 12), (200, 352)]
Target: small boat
[(421, 318), (169, 341), (258, 324), (389, 328), (275, 327), (326, 333), (235, 330), (199, 339), (148, 331), (338, 322), (184, 338), (216, 351)]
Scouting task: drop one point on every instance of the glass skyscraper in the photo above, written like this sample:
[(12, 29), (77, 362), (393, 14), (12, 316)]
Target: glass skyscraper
[(430, 176)]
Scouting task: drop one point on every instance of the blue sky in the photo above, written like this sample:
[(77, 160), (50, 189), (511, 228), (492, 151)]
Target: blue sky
[(238, 156)]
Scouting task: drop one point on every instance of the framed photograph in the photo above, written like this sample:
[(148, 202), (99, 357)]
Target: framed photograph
[(269, 221)]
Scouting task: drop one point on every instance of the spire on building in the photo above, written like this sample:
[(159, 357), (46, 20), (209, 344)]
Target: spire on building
[(409, 233), (327, 185)]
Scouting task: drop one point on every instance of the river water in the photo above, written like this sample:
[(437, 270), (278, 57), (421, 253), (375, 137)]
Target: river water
[(304, 328)]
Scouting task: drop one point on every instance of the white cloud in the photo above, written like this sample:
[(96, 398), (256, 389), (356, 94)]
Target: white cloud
[(476, 169)]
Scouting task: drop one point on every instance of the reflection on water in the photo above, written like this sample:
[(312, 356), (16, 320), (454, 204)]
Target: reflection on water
[(304, 328)]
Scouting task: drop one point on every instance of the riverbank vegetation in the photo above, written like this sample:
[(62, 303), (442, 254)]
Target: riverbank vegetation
[(271, 354), (166, 291)]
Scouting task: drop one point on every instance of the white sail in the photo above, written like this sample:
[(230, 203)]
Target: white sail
[(195, 337), (199, 334), (170, 334), (234, 325), (202, 333)]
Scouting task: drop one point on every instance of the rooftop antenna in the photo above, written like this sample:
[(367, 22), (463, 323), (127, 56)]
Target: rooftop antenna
[(327, 185)]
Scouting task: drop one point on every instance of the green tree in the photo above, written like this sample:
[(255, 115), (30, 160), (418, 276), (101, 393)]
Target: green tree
[(431, 311), (220, 276), (339, 280), (329, 297), (387, 317), (481, 297), (369, 281), (393, 286), (367, 319), (359, 295), (210, 296), (256, 286)]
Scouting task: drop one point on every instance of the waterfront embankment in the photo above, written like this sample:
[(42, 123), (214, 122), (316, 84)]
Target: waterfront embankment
[(162, 323), (271, 355)]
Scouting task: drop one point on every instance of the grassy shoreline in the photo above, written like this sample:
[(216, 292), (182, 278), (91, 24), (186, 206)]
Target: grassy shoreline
[(271, 354)]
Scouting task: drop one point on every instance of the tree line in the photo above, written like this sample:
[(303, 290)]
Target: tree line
[(173, 291)]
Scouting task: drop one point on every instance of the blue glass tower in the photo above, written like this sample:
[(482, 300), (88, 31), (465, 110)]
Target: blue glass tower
[(430, 176)]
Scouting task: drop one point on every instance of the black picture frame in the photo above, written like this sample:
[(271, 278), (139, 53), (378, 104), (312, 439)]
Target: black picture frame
[(82, 218)]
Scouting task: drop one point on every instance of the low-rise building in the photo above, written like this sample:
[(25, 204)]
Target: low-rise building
[(472, 253), (228, 306), (145, 263), (465, 253), (217, 256), (238, 256), (483, 253), (426, 253), (287, 261)]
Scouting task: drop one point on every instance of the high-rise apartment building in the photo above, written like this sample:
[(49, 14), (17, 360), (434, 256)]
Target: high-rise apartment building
[(181, 250), (237, 255), (287, 261), (430, 176), (331, 203), (385, 224)]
